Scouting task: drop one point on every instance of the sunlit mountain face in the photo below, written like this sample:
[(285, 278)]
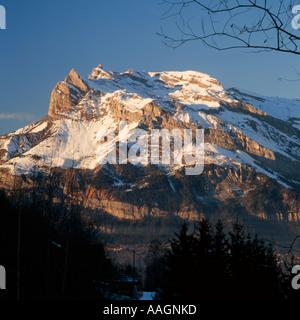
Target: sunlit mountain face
[(250, 151)]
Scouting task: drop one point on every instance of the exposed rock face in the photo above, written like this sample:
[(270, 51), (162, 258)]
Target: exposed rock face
[(74, 79), (66, 95)]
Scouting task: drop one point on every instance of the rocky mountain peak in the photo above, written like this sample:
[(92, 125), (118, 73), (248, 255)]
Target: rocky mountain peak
[(74, 79), (241, 127), (67, 94), (251, 145), (99, 73)]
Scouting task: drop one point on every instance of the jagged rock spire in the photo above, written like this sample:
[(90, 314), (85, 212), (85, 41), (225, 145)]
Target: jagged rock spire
[(67, 94)]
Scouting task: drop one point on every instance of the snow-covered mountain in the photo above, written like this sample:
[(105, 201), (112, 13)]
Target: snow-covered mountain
[(251, 144)]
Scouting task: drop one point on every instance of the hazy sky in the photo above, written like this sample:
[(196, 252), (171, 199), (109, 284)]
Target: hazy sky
[(45, 39)]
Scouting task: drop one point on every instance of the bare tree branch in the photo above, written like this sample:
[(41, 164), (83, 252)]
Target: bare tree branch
[(233, 24)]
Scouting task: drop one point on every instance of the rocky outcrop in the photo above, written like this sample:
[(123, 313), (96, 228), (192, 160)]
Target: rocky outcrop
[(66, 95), (128, 211), (99, 73), (74, 79)]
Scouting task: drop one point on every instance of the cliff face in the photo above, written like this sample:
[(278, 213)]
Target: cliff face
[(66, 95), (251, 147)]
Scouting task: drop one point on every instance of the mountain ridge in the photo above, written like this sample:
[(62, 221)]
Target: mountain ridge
[(81, 99), (251, 146)]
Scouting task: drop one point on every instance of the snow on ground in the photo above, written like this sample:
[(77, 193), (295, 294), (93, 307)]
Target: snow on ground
[(281, 108), (71, 144), (39, 128), (219, 155), (145, 87), (262, 133)]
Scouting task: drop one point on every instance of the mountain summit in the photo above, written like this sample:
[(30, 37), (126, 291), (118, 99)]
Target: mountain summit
[(251, 146)]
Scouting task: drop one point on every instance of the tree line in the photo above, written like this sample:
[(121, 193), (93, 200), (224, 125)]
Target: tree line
[(56, 255), (49, 255), (210, 263)]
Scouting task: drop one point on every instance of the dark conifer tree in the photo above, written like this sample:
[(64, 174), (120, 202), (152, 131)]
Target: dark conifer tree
[(154, 266), (209, 264)]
